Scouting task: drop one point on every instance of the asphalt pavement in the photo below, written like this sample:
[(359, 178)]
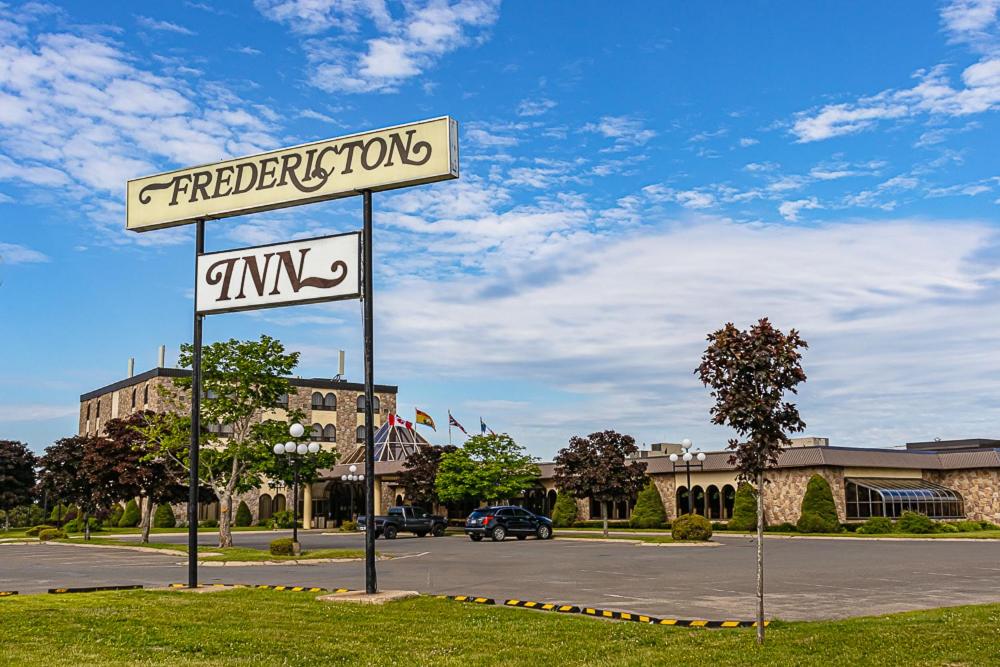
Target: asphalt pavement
[(806, 578)]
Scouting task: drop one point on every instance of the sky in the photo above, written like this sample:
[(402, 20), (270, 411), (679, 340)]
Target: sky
[(633, 176)]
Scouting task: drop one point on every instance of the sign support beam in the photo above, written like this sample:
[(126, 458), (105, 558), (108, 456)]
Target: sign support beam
[(371, 581), (193, 481)]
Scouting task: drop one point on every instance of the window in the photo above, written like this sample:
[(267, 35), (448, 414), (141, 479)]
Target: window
[(361, 434), (133, 398), (376, 406), (145, 395), (87, 412), (330, 433), (98, 408), (316, 432), (330, 401), (317, 401), (395, 511), (282, 401), (868, 497)]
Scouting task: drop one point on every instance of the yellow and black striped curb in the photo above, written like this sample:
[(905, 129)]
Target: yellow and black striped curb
[(94, 589), (606, 613), (7, 594), (270, 587)]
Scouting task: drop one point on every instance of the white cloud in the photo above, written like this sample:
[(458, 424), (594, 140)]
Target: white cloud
[(36, 412), (789, 210), (746, 142), (972, 22), (162, 26), (12, 253), (626, 131), (403, 48), (316, 115), (481, 137), (535, 107)]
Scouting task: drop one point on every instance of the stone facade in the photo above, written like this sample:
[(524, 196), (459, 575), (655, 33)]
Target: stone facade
[(785, 489), (980, 489), (667, 487)]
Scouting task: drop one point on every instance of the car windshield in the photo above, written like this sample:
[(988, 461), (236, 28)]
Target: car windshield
[(395, 511)]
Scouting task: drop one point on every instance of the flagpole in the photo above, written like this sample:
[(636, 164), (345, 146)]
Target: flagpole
[(449, 427)]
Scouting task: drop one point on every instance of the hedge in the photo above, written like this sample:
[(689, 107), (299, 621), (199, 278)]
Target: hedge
[(877, 525), (51, 534), (283, 546), (915, 522), (130, 517), (648, 511), (744, 509), (819, 513), (243, 516), (691, 527), (565, 512), (164, 517)]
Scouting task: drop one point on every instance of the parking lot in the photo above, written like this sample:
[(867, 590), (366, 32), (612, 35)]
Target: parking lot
[(806, 578)]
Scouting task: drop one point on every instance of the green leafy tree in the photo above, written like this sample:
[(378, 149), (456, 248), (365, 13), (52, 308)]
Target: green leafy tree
[(164, 517), (818, 509), (419, 475), (65, 475), (649, 511), (748, 373), (744, 508), (243, 516), (115, 515), (600, 466), (565, 512), (240, 379), (17, 477), (486, 467), (130, 517)]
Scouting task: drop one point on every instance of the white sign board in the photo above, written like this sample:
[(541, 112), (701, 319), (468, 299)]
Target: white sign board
[(320, 269), (395, 157)]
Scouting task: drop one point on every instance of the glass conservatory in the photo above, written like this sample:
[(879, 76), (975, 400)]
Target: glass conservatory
[(868, 497)]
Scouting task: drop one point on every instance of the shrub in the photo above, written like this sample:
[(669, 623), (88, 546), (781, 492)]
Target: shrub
[(783, 527), (51, 534), (115, 516), (282, 547), (744, 509), (877, 525), (565, 512), (947, 528), (819, 513), (33, 532), (691, 527), (648, 511), (58, 514), (130, 517), (26, 515), (77, 525), (348, 526), (968, 526), (209, 523), (71, 513), (597, 523), (164, 517), (987, 525), (243, 516), (282, 519), (915, 522), (716, 525)]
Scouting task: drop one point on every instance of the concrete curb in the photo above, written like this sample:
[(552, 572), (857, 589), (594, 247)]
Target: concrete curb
[(263, 587), (251, 563), (639, 543)]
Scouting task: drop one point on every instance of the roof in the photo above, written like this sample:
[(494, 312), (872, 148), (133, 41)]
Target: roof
[(951, 445), (307, 383), (392, 443)]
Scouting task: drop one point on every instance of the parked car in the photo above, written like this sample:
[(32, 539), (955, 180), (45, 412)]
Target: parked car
[(406, 519), (499, 522)]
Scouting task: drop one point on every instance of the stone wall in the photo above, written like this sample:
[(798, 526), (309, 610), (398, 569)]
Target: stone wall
[(667, 487), (980, 489), (785, 489)]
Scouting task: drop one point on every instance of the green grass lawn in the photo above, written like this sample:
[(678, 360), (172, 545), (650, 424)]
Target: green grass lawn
[(231, 554), (243, 627), (976, 535)]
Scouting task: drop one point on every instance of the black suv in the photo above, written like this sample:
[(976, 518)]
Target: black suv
[(499, 522)]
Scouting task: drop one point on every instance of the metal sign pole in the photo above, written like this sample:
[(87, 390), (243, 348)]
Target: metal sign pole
[(371, 581), (199, 248)]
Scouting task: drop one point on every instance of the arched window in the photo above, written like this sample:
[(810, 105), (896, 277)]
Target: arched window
[(399, 500), (375, 404), (316, 433), (714, 499), (88, 411), (145, 395), (361, 403), (698, 500), (682, 501), (330, 433), (279, 503), (361, 434), (264, 511), (317, 401), (330, 401), (282, 401), (133, 398), (98, 408), (728, 500)]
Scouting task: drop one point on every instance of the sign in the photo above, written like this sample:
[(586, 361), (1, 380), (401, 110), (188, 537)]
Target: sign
[(395, 157), (321, 269)]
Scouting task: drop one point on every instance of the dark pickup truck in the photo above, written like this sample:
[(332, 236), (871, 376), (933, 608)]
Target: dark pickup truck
[(407, 519)]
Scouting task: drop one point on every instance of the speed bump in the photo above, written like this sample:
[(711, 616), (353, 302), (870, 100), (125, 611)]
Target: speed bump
[(7, 594), (468, 598), (543, 606), (94, 589), (270, 587)]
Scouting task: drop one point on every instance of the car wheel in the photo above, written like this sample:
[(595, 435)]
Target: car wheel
[(476, 538), (421, 533), (390, 532), (438, 531), (498, 534), (544, 532)]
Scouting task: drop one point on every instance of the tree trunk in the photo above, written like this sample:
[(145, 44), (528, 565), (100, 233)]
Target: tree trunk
[(146, 523), (760, 558), (86, 526), (225, 530), (604, 516)]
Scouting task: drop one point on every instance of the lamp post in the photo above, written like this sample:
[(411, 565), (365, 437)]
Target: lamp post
[(297, 451), (686, 456), (352, 477)]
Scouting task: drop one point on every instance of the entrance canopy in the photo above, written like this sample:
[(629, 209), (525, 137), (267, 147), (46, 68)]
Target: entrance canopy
[(890, 497), (393, 442)]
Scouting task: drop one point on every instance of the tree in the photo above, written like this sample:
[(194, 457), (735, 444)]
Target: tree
[(127, 467), (818, 508), (240, 379), (164, 517), (648, 511), (565, 512), (243, 516), (65, 474), (17, 477), (130, 517), (486, 467), (598, 466), (744, 508), (420, 472), (749, 373)]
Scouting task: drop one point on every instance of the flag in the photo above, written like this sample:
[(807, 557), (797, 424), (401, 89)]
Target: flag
[(396, 420), (483, 428), (424, 418), (454, 422)]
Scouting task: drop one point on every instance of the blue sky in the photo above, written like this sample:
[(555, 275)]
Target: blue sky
[(634, 175)]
